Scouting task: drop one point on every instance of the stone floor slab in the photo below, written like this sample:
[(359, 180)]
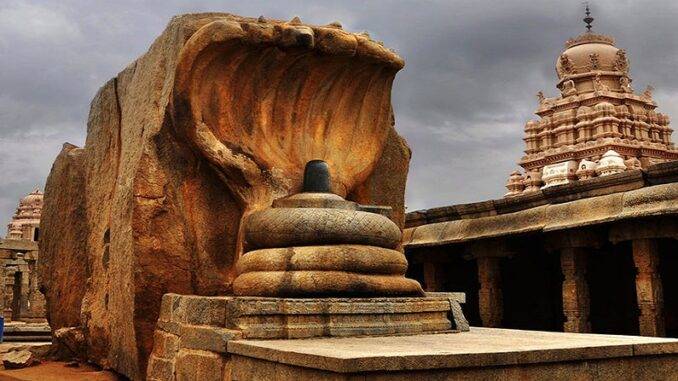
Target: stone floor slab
[(481, 347)]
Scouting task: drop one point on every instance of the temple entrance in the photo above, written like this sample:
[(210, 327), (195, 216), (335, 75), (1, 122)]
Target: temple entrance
[(531, 285), (668, 263), (612, 289), (16, 296)]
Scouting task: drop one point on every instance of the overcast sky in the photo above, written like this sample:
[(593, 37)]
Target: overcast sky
[(472, 71)]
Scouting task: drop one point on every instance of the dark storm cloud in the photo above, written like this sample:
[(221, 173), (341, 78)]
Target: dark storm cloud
[(473, 68)]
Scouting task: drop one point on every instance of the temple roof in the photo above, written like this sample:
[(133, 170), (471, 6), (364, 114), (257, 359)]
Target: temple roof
[(622, 196)]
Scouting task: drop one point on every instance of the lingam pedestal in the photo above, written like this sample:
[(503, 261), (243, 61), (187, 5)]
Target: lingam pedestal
[(315, 265), (316, 244)]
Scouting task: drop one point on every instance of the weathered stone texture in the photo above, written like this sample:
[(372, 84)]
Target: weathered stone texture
[(649, 290), (63, 267), (195, 333), (481, 354), (169, 168), (194, 365), (490, 298)]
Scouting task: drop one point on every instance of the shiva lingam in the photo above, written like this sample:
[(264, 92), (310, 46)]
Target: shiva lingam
[(317, 244)]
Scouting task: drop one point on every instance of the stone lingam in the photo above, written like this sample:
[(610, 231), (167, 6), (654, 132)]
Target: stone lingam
[(315, 243)]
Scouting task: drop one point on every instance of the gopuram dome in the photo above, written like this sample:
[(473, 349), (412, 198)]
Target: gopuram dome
[(597, 111), (590, 57), (26, 221)]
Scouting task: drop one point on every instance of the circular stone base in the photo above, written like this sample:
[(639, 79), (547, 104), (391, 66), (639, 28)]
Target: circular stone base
[(286, 227), (348, 258), (323, 284)]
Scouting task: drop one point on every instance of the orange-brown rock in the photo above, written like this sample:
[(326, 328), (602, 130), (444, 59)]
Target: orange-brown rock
[(64, 270), (215, 121)]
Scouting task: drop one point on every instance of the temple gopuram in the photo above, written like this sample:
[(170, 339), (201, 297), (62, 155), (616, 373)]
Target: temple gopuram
[(585, 238), (21, 299)]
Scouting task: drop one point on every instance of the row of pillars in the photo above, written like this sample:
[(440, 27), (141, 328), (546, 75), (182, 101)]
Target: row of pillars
[(649, 293), (575, 289)]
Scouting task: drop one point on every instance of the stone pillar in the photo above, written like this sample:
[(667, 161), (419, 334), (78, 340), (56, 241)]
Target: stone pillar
[(9, 293), (574, 246), (490, 299), (3, 289), (25, 291), (576, 302), (648, 287), (432, 277)]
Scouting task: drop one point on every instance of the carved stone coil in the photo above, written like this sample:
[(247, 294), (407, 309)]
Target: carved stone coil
[(285, 227), (353, 258)]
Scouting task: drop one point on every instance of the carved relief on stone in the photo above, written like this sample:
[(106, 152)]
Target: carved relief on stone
[(566, 65), (621, 63), (543, 101), (532, 181), (568, 88), (515, 184), (594, 58), (598, 84), (610, 163), (586, 170), (625, 84), (633, 163)]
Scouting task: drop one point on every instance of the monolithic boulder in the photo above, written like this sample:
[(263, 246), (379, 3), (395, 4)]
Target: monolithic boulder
[(64, 269), (213, 123)]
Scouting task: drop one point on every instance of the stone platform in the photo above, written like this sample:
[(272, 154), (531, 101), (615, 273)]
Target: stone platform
[(481, 354), (248, 338), (194, 332)]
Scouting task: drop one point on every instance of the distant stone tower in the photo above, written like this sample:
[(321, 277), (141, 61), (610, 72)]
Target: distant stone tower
[(25, 223), (597, 126), (20, 298)]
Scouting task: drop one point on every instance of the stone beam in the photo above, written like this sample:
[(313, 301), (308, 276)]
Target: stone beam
[(647, 228), (590, 237)]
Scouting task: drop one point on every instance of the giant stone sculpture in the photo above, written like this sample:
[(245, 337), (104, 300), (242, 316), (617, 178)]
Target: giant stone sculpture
[(210, 126)]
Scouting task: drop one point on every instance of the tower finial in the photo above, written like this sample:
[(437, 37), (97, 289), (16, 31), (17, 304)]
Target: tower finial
[(588, 19)]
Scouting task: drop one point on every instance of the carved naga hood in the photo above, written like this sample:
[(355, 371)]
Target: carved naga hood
[(258, 99)]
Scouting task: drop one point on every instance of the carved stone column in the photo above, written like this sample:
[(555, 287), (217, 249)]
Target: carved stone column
[(574, 246), (648, 287), (432, 277), (576, 301), (490, 298)]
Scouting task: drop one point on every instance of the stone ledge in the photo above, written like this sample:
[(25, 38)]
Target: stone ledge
[(204, 322), (481, 347), (657, 200), (662, 173), (194, 334)]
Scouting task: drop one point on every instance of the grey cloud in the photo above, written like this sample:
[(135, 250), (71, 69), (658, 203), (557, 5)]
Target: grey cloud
[(473, 68)]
